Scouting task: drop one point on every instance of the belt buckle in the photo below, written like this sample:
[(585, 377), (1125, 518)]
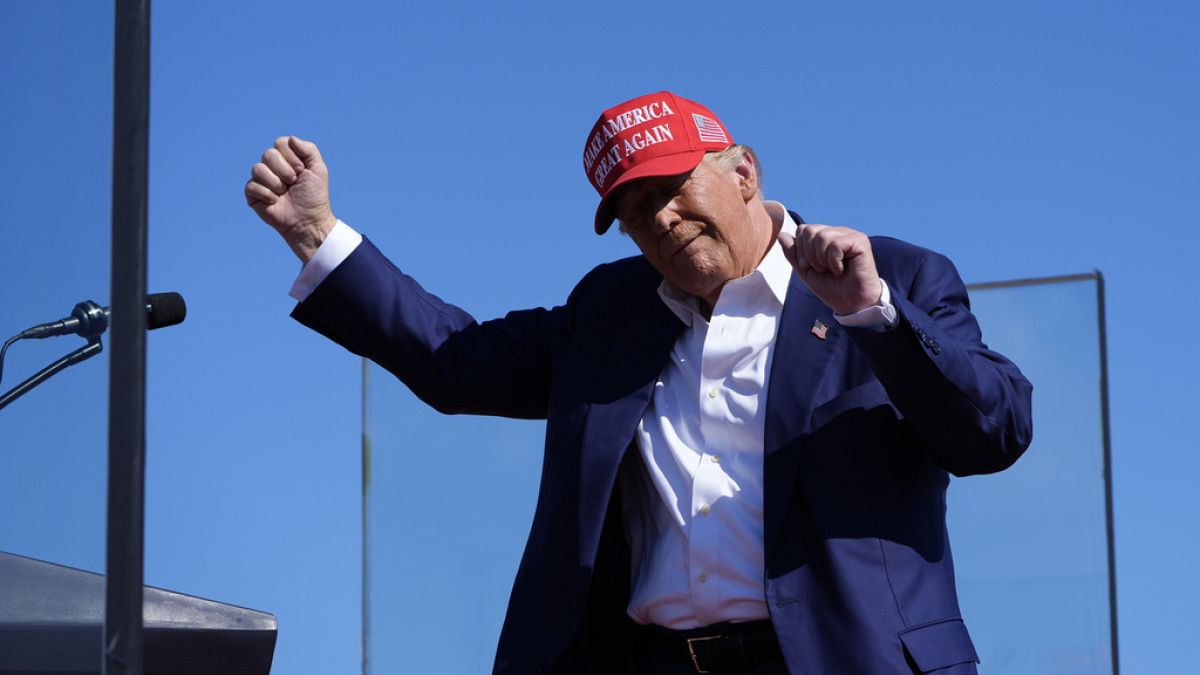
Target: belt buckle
[(691, 643)]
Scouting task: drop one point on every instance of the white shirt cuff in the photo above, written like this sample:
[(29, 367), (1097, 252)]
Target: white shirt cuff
[(338, 245), (881, 317)]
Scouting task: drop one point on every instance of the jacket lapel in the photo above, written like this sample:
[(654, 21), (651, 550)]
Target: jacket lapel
[(797, 372), (634, 362)]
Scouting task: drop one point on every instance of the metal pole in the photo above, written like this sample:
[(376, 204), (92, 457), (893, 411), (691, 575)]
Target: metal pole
[(127, 368), (1108, 475)]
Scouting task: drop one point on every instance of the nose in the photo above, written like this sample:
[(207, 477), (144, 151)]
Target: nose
[(666, 218)]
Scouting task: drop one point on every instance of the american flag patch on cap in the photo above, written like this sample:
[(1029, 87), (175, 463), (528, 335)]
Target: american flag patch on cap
[(710, 130)]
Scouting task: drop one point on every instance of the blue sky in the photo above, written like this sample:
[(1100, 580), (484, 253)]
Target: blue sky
[(1022, 139)]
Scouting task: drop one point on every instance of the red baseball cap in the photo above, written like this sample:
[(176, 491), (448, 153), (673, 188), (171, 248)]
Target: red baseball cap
[(653, 135)]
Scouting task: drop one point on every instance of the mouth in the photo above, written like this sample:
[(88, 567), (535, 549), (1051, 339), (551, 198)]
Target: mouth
[(680, 246)]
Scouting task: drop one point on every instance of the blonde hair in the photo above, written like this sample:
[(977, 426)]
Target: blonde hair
[(729, 157)]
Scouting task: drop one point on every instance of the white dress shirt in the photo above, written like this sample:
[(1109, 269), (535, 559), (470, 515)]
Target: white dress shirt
[(694, 514)]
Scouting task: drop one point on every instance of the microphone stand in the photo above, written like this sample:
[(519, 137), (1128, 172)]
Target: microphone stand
[(92, 348)]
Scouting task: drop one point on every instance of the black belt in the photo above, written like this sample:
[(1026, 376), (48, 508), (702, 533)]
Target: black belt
[(720, 648)]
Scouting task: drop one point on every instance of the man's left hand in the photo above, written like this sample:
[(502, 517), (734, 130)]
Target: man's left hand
[(836, 263)]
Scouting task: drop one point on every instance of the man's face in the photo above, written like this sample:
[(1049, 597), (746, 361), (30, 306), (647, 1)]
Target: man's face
[(695, 229)]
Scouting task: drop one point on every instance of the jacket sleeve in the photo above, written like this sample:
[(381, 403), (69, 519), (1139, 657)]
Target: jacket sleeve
[(970, 405), (450, 361)]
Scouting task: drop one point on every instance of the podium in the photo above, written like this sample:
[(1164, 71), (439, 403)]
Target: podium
[(51, 623)]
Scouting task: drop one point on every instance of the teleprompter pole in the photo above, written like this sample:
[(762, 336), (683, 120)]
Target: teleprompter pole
[(127, 368), (1108, 476)]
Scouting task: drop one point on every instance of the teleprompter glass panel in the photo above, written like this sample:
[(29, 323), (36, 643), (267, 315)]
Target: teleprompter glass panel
[(1031, 544), (448, 504), (57, 139), (449, 500)]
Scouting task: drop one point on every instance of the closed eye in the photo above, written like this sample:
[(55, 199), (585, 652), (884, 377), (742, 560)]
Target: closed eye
[(638, 201)]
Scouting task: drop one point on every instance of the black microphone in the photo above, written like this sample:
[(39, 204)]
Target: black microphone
[(90, 320)]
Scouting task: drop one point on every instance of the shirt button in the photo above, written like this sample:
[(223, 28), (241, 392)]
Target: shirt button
[(704, 509), (712, 392), (714, 458), (703, 577)]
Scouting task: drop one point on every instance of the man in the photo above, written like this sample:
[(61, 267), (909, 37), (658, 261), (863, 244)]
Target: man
[(749, 427)]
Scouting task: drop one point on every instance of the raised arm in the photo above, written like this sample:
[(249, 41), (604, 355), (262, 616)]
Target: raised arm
[(365, 304)]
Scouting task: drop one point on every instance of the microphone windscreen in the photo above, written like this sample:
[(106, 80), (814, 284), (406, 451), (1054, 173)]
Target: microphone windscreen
[(164, 309)]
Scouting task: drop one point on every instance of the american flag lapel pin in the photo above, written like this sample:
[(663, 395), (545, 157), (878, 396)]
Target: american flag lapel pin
[(819, 329)]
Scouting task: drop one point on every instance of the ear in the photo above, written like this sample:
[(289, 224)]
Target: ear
[(747, 174)]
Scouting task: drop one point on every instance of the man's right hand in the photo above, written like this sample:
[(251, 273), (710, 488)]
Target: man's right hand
[(289, 190)]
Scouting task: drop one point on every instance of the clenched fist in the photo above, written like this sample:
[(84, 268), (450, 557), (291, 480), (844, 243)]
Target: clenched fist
[(836, 264), (289, 190)]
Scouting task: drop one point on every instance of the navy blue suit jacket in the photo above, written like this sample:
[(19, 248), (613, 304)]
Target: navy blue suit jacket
[(862, 429)]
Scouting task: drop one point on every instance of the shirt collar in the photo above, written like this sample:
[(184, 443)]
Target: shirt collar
[(774, 273)]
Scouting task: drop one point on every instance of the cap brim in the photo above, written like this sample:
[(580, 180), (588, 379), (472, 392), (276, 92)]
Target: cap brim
[(668, 165)]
